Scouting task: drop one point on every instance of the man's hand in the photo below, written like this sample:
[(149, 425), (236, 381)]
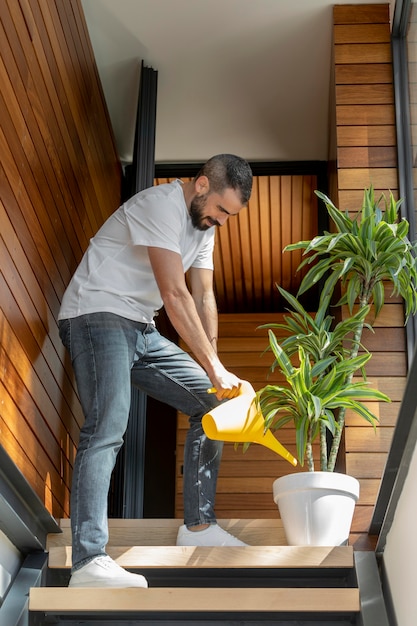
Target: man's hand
[(244, 388), (225, 384)]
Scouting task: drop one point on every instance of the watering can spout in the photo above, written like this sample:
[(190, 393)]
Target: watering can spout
[(272, 443), (240, 421)]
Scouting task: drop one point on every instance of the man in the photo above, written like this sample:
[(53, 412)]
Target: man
[(134, 265)]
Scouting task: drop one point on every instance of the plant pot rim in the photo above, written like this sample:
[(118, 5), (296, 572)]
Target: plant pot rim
[(317, 480)]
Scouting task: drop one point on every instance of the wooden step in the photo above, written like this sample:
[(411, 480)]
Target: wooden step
[(266, 557), (58, 600), (163, 532), (265, 582)]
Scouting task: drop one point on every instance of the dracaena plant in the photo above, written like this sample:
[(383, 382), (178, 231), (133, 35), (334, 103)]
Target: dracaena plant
[(361, 256)]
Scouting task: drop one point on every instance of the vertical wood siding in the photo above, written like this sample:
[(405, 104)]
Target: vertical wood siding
[(412, 91), (282, 209), (245, 480), (366, 155), (364, 98), (59, 180), (248, 258)]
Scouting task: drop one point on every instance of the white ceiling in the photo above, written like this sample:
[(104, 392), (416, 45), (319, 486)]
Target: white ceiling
[(245, 76)]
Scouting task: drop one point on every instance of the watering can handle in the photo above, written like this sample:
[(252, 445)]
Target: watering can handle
[(243, 388)]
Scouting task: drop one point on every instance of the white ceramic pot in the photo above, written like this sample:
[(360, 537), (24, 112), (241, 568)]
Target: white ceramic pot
[(316, 508)]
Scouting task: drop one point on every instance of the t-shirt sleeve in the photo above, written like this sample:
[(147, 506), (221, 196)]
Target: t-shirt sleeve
[(154, 222), (157, 219), (204, 259)]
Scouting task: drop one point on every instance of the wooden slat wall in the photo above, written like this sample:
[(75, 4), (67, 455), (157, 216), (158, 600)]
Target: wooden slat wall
[(59, 180), (366, 154), (248, 253), (364, 98), (282, 209), (412, 88), (245, 480)]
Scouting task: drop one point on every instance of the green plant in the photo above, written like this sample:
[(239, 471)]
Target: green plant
[(361, 257)]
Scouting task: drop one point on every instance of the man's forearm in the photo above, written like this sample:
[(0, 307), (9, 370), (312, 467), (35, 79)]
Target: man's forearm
[(197, 332), (181, 308), (207, 312), (183, 314)]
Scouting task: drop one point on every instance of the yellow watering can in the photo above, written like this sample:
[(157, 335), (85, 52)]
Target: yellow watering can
[(240, 420)]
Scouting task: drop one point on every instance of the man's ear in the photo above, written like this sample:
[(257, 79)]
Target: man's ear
[(202, 185)]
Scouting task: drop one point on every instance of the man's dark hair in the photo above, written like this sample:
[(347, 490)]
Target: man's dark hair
[(228, 171)]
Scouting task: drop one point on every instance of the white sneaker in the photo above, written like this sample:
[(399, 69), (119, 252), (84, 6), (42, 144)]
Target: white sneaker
[(214, 535), (104, 572)]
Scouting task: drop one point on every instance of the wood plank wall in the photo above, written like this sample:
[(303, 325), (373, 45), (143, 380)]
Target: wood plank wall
[(248, 253), (59, 180), (245, 480), (412, 89), (364, 98), (365, 140), (248, 261)]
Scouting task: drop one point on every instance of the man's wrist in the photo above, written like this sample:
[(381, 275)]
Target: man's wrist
[(213, 343)]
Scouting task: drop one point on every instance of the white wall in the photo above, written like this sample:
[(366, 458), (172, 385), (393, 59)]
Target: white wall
[(400, 555), (10, 560), (238, 76), (225, 83), (233, 75)]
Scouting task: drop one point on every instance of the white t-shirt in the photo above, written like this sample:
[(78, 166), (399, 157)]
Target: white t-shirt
[(115, 274)]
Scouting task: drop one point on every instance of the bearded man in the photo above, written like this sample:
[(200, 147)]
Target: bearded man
[(135, 264)]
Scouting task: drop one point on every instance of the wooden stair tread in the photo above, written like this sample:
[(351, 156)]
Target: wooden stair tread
[(141, 557), (170, 522), (94, 600), (160, 532)]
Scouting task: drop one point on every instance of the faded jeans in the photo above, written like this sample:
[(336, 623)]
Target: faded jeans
[(108, 353)]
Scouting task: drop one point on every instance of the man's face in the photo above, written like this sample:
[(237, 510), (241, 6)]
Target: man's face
[(214, 209)]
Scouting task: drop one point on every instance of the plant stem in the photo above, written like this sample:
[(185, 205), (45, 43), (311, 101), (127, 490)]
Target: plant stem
[(309, 449), (323, 447), (363, 301)]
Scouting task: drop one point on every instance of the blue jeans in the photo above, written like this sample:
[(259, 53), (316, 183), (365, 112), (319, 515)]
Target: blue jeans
[(108, 354)]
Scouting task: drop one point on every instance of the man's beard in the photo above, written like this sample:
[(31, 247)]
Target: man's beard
[(197, 207)]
